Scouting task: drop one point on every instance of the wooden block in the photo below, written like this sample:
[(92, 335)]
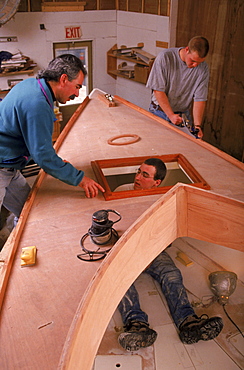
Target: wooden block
[(162, 44), (109, 103), (184, 259), (28, 256)]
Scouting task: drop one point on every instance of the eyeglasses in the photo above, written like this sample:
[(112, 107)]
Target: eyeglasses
[(144, 174)]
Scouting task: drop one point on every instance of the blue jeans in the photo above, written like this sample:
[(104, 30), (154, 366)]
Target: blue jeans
[(164, 271), (14, 190), (161, 114)]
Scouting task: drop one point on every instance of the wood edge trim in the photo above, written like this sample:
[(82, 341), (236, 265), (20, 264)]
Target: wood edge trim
[(70, 123), (14, 238), (204, 144)]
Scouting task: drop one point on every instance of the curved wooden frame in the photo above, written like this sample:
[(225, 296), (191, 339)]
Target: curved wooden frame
[(183, 211)]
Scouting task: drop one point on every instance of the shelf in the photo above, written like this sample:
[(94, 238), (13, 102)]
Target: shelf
[(4, 92), (127, 58), (29, 72), (133, 55), (117, 73)]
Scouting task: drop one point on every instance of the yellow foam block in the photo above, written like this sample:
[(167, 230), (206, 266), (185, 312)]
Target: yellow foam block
[(28, 256), (184, 259)]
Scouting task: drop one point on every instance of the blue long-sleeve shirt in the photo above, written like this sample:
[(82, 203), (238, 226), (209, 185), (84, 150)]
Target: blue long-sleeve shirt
[(26, 126)]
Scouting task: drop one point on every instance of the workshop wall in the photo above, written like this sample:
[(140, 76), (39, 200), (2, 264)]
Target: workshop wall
[(133, 28), (223, 123), (104, 28), (221, 21), (98, 26)]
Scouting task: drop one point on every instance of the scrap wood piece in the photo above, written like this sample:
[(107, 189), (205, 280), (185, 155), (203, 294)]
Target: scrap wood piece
[(143, 55), (184, 259)]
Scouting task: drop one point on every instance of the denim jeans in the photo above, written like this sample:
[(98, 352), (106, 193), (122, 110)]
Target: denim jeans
[(164, 271), (14, 190), (161, 114)]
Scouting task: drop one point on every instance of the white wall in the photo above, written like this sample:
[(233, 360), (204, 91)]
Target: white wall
[(133, 28), (98, 26), (104, 28)]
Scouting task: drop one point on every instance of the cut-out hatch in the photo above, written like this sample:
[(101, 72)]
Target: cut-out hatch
[(112, 173)]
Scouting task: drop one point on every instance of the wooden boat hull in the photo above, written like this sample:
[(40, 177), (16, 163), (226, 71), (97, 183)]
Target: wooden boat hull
[(42, 315)]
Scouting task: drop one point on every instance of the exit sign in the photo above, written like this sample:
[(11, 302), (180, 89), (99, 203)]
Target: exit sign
[(73, 32)]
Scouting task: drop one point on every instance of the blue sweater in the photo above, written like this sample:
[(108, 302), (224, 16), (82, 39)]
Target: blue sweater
[(26, 126)]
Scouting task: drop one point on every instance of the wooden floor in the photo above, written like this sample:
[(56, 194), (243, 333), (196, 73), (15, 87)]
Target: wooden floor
[(41, 301)]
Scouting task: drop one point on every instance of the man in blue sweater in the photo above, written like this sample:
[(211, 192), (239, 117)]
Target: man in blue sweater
[(26, 126)]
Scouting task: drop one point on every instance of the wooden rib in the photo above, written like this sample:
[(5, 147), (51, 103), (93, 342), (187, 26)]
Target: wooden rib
[(202, 143), (11, 244), (181, 212), (114, 277)]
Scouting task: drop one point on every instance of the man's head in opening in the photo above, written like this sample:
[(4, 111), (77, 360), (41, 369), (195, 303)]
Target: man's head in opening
[(150, 174)]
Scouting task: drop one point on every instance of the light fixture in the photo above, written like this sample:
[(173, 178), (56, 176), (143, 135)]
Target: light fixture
[(222, 284)]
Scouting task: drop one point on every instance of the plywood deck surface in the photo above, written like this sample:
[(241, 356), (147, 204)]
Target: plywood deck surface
[(41, 301)]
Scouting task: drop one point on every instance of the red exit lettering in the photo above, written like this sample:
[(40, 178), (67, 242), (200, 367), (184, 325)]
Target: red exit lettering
[(72, 32)]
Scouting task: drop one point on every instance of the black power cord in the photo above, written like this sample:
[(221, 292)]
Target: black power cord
[(232, 320), (97, 255)]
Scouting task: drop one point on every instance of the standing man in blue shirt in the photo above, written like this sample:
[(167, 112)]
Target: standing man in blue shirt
[(26, 126)]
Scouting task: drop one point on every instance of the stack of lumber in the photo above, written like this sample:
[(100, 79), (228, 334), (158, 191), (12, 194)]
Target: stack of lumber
[(18, 62)]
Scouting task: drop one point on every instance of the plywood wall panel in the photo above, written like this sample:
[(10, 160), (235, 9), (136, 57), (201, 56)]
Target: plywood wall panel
[(221, 21)]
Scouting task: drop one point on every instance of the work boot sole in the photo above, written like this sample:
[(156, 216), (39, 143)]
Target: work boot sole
[(133, 341), (207, 330)]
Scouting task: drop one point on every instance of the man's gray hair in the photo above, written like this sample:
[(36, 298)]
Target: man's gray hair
[(64, 64)]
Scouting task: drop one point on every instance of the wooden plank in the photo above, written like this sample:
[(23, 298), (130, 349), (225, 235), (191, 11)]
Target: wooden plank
[(63, 6), (162, 44), (222, 217), (144, 240)]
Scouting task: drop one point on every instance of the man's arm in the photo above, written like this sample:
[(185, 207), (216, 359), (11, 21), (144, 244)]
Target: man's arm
[(198, 111), (165, 106)]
